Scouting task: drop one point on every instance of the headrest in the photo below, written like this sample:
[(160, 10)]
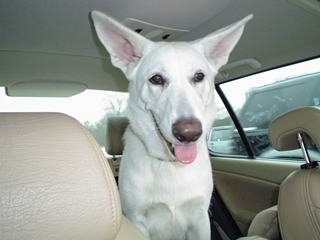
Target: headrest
[(284, 129), (116, 127), (54, 180)]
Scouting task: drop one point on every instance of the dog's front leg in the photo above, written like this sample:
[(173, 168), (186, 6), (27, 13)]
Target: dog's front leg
[(139, 221), (199, 228)]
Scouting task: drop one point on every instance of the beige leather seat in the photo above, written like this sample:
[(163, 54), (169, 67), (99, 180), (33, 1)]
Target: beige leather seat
[(264, 226), (298, 210), (115, 129), (299, 196), (55, 183)]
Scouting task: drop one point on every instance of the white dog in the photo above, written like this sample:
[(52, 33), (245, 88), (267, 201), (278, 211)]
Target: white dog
[(165, 174)]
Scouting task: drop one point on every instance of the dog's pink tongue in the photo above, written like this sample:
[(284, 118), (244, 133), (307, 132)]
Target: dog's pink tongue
[(185, 153)]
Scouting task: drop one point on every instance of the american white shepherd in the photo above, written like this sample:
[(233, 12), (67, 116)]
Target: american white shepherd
[(165, 174)]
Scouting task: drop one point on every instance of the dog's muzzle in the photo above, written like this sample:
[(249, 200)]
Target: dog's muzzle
[(186, 131)]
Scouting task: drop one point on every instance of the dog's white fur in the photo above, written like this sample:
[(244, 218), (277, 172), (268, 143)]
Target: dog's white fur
[(166, 199)]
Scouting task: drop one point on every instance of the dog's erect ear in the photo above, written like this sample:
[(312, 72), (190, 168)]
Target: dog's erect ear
[(124, 45), (218, 45)]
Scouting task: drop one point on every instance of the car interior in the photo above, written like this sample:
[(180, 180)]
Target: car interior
[(63, 116)]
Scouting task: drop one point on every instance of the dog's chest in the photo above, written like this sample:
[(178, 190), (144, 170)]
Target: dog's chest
[(173, 184)]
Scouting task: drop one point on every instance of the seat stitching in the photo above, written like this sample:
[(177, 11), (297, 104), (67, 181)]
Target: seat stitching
[(115, 218)]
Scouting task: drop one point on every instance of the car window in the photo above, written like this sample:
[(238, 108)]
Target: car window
[(90, 107), (258, 99)]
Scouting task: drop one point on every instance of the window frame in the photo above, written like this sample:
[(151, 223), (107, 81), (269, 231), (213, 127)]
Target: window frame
[(233, 116)]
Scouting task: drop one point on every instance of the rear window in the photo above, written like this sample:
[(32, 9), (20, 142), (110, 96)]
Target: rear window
[(90, 107)]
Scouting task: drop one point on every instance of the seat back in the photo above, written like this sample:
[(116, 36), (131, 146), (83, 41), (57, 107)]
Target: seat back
[(299, 196), (116, 126), (55, 183)]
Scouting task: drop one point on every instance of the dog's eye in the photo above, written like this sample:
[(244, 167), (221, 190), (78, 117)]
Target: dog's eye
[(198, 77), (157, 80)]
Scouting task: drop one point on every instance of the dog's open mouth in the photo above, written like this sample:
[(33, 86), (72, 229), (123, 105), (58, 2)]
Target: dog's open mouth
[(183, 153)]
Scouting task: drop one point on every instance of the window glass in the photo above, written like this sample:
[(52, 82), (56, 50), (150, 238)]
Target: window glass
[(224, 138), (91, 108), (260, 98)]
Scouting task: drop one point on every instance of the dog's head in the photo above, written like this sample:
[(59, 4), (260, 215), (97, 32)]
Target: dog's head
[(172, 84)]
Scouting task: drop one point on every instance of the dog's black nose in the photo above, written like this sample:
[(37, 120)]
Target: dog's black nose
[(187, 129)]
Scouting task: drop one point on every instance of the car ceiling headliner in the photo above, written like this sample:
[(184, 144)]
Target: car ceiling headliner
[(45, 40)]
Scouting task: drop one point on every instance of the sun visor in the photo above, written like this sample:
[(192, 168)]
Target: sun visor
[(41, 88)]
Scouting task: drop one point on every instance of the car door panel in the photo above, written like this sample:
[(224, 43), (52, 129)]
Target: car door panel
[(248, 186)]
